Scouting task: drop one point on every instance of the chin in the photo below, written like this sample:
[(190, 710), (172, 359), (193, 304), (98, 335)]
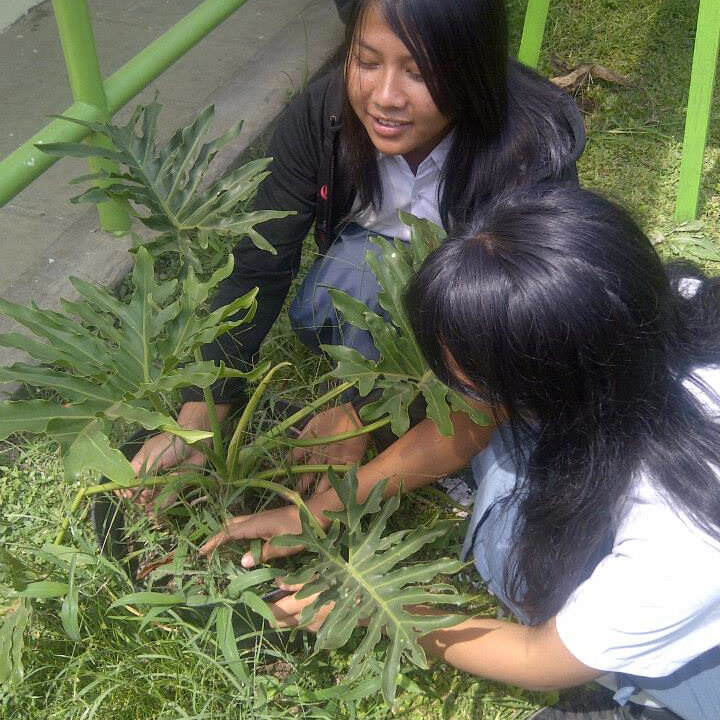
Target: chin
[(388, 148)]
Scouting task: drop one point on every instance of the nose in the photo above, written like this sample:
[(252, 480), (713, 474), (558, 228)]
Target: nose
[(388, 91)]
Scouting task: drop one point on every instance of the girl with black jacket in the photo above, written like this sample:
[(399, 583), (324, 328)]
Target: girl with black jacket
[(427, 116)]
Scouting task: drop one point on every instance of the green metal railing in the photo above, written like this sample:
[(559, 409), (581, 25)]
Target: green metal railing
[(702, 82), (533, 32), (97, 100)]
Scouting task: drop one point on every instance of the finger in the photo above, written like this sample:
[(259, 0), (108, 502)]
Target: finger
[(139, 461), (233, 530), (297, 455), (323, 484), (300, 454), (288, 588), (306, 483), (126, 493), (156, 505), (269, 552), (286, 614), (145, 496), (214, 543)]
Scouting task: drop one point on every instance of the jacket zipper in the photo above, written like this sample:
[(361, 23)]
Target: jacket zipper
[(331, 183)]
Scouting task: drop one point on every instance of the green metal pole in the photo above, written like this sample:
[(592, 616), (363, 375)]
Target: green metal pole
[(78, 44), (702, 83), (533, 32), (27, 163)]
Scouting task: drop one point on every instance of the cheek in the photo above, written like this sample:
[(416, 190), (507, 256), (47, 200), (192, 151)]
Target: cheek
[(356, 89)]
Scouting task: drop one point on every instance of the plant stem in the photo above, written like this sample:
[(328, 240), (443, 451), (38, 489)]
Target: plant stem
[(261, 480), (209, 481), (157, 404), (214, 420), (66, 522), (245, 418), (281, 427), (330, 439)]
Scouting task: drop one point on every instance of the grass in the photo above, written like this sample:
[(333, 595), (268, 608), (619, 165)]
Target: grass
[(170, 673)]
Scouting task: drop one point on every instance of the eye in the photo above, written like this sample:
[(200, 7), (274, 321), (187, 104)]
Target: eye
[(365, 64), (415, 74)]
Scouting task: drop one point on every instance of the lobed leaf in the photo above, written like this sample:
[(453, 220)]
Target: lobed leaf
[(166, 180), (115, 361), (359, 571), (401, 373)]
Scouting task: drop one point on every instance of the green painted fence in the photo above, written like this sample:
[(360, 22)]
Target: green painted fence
[(96, 99)]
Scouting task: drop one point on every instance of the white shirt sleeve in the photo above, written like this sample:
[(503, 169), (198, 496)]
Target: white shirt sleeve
[(653, 604)]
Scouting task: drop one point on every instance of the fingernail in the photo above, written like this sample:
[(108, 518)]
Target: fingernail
[(247, 560)]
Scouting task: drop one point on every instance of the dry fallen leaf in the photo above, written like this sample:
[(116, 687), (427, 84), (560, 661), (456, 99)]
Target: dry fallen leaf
[(145, 569), (574, 78)]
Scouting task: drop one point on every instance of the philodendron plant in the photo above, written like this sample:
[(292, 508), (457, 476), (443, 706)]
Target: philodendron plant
[(110, 361)]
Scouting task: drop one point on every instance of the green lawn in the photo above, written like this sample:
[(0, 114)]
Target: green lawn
[(118, 672)]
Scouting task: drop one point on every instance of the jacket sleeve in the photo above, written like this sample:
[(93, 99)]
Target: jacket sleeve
[(296, 147)]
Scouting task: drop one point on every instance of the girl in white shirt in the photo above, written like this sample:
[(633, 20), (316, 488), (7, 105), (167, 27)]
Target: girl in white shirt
[(597, 515), (597, 518)]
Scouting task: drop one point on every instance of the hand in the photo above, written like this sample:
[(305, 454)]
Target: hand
[(330, 422), (267, 524), (287, 610), (165, 451)]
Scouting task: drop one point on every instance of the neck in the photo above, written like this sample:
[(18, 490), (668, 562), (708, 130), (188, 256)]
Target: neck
[(416, 156)]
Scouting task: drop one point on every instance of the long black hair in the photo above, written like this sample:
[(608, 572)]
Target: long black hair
[(507, 120), (554, 307)]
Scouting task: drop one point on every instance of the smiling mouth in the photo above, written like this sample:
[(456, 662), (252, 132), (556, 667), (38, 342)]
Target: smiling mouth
[(390, 123)]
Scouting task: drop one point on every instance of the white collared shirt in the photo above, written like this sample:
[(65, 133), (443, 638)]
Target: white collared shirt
[(653, 604), (417, 194)]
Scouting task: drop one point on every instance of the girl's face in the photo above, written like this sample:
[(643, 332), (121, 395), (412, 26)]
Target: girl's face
[(389, 95)]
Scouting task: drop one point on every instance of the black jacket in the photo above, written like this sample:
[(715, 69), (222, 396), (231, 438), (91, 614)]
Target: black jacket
[(305, 179)]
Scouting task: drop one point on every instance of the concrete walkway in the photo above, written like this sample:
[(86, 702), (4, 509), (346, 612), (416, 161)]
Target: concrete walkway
[(248, 67)]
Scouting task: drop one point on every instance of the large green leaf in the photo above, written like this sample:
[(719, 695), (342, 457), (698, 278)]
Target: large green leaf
[(360, 570), (113, 361), (400, 373), (167, 181)]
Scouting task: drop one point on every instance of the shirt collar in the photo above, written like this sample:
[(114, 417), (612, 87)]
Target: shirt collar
[(440, 153)]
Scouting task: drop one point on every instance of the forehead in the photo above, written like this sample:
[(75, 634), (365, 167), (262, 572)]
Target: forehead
[(372, 33)]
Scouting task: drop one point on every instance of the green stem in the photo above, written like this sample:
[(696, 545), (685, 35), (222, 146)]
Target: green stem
[(244, 421), (208, 480), (330, 439), (66, 522), (214, 420), (157, 404), (280, 428), (261, 480)]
